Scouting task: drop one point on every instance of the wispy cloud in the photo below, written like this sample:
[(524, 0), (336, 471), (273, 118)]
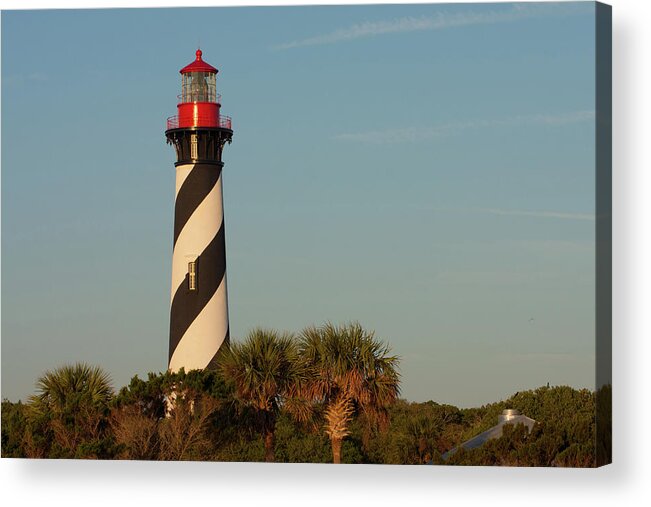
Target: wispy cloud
[(503, 278), (20, 79), (560, 215), (415, 134), (545, 357), (538, 214), (438, 21)]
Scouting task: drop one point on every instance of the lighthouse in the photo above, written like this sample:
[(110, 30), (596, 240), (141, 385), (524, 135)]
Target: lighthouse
[(199, 302)]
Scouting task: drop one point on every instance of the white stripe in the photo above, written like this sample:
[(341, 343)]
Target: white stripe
[(182, 172), (205, 335), (197, 234)]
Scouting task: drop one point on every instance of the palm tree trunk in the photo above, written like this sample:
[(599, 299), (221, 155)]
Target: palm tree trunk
[(337, 417), (269, 446), (336, 450)]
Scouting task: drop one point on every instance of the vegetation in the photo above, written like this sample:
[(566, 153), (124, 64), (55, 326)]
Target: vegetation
[(265, 371), (329, 395), (350, 373), (68, 417), (564, 434)]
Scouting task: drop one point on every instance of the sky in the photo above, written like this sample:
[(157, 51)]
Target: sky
[(426, 170)]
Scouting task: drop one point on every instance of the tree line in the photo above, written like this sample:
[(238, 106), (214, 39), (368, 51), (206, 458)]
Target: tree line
[(327, 394)]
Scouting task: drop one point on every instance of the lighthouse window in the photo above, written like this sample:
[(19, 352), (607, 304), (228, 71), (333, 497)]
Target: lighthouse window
[(192, 275), (198, 87), (212, 89), (193, 147)]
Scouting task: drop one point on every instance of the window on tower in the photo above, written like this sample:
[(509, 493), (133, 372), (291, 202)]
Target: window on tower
[(194, 152), (192, 275)]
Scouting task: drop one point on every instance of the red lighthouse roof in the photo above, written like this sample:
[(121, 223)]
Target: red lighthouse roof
[(199, 66)]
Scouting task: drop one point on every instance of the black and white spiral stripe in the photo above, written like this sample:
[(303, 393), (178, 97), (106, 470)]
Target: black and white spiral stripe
[(199, 318)]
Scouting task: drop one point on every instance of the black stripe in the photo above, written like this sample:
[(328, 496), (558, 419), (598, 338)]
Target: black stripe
[(187, 304), (195, 188)]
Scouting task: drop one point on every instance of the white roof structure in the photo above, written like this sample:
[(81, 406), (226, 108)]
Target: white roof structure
[(508, 416)]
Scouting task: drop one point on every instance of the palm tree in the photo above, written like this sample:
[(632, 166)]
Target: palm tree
[(265, 371), (71, 404), (349, 371), (78, 383)]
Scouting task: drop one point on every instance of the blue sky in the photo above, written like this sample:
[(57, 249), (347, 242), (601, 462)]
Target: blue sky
[(427, 170)]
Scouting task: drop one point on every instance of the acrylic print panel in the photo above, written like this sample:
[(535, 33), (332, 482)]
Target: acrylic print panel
[(412, 201)]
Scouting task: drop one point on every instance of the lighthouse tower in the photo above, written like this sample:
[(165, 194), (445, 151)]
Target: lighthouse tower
[(199, 306)]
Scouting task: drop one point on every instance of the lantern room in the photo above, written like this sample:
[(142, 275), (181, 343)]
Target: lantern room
[(199, 104)]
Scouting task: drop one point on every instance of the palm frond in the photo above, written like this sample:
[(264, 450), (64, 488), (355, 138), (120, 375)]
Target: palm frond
[(349, 369)]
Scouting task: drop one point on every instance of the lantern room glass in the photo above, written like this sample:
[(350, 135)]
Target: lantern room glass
[(199, 87)]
